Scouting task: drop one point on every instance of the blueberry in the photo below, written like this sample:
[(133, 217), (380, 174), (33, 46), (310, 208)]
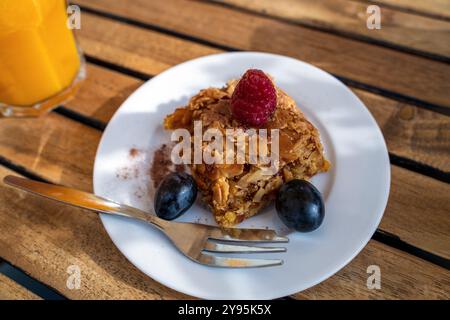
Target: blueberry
[(175, 195), (300, 206)]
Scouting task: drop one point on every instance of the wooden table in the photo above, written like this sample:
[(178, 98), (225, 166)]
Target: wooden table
[(401, 72)]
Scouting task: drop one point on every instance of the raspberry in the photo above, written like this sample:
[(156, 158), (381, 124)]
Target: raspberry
[(254, 99)]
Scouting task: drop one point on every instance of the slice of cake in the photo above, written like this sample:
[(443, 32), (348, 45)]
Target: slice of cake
[(238, 190)]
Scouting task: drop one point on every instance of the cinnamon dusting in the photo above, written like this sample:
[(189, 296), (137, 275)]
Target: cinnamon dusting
[(162, 165)]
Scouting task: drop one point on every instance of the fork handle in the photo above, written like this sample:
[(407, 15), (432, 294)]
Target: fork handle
[(82, 199)]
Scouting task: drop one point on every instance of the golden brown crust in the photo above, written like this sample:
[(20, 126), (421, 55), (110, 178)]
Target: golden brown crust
[(235, 192)]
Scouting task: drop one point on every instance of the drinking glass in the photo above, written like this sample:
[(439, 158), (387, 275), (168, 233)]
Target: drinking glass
[(40, 63)]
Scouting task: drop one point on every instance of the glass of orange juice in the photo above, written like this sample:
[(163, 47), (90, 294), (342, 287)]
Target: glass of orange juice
[(40, 63)]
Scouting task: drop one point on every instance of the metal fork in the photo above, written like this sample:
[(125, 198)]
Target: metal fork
[(198, 242)]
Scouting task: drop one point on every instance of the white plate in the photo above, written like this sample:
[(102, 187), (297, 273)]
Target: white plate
[(355, 189)]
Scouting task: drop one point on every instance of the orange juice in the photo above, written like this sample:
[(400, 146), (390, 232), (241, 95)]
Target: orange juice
[(38, 53)]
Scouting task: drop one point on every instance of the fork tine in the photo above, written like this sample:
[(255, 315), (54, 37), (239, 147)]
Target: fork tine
[(249, 235), (226, 248), (226, 262)]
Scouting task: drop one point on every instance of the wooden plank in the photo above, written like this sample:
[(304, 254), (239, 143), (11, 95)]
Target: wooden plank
[(377, 66), (45, 238), (11, 290), (418, 211), (438, 8), (63, 151), (55, 147), (102, 92), (410, 132), (397, 27), (402, 277), (140, 49)]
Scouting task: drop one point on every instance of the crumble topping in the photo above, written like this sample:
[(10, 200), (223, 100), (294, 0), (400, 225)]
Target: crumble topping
[(238, 191)]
